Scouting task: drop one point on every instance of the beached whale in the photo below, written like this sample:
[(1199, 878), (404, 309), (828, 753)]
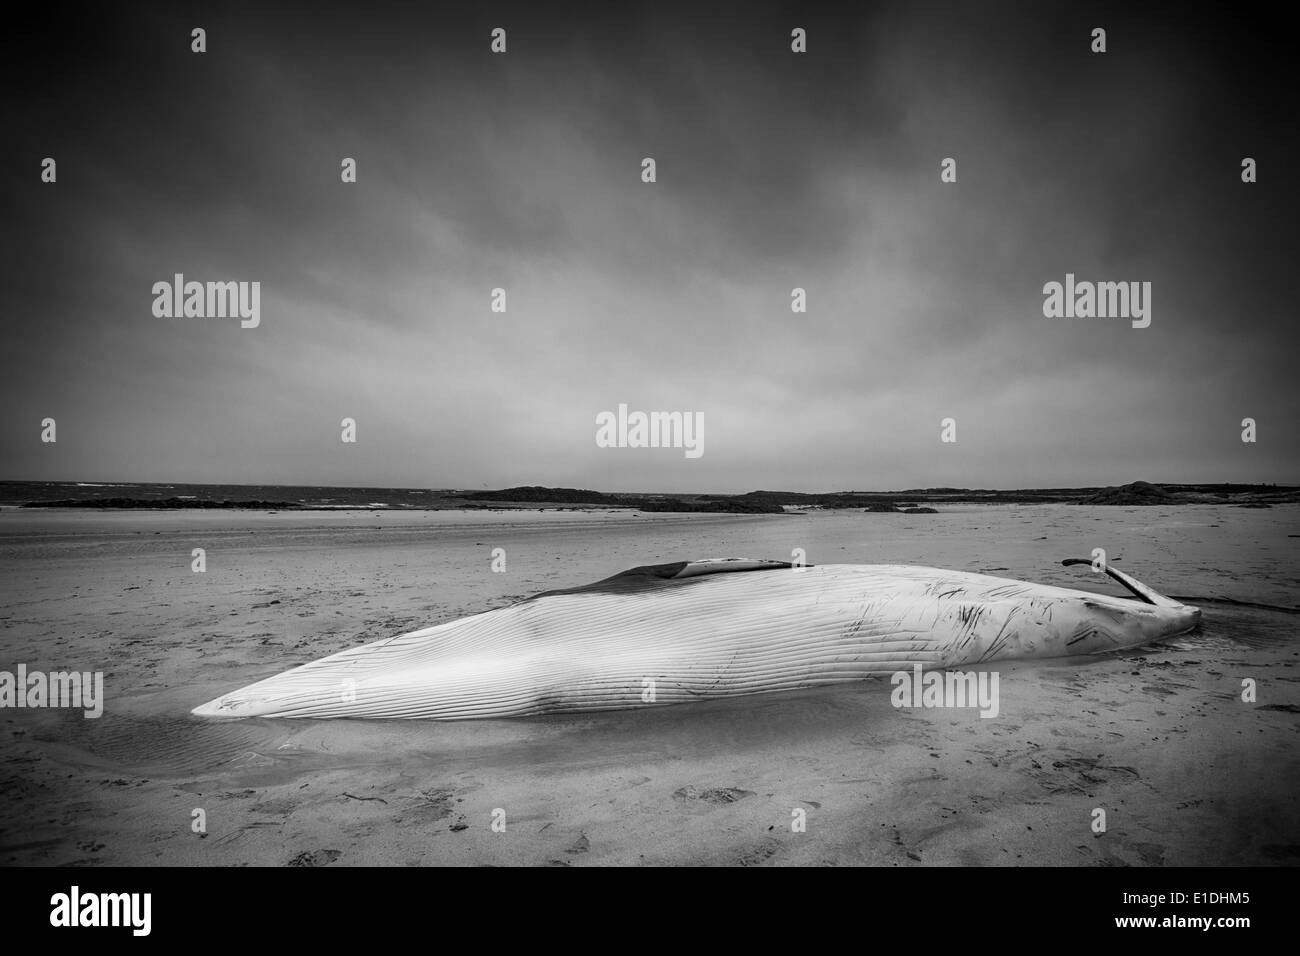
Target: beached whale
[(704, 629)]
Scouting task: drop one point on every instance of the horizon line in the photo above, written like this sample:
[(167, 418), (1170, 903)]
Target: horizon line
[(245, 484)]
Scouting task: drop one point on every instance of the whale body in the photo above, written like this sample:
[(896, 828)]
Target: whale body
[(696, 630)]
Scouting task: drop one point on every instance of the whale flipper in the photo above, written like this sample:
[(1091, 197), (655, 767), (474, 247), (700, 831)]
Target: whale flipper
[(1140, 590)]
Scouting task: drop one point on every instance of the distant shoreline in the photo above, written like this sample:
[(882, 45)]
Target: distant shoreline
[(125, 496)]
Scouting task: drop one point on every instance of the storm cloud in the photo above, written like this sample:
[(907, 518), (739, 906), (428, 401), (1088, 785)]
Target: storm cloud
[(522, 171)]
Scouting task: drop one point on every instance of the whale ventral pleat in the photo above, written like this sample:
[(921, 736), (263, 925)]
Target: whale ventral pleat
[(651, 577)]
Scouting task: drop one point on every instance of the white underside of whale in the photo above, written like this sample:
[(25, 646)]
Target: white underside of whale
[(691, 632)]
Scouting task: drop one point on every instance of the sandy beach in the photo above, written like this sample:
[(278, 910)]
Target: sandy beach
[(1159, 738)]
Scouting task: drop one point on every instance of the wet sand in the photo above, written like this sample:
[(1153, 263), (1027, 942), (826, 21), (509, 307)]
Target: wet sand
[(1159, 738)]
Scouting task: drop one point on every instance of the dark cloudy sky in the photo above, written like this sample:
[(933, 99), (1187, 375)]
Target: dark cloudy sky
[(775, 170)]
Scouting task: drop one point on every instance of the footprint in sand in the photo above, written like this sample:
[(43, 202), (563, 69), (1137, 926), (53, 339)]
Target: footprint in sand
[(714, 795), (757, 855), (227, 838), (279, 806), (316, 858), (430, 806), (580, 845), (1081, 774)]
